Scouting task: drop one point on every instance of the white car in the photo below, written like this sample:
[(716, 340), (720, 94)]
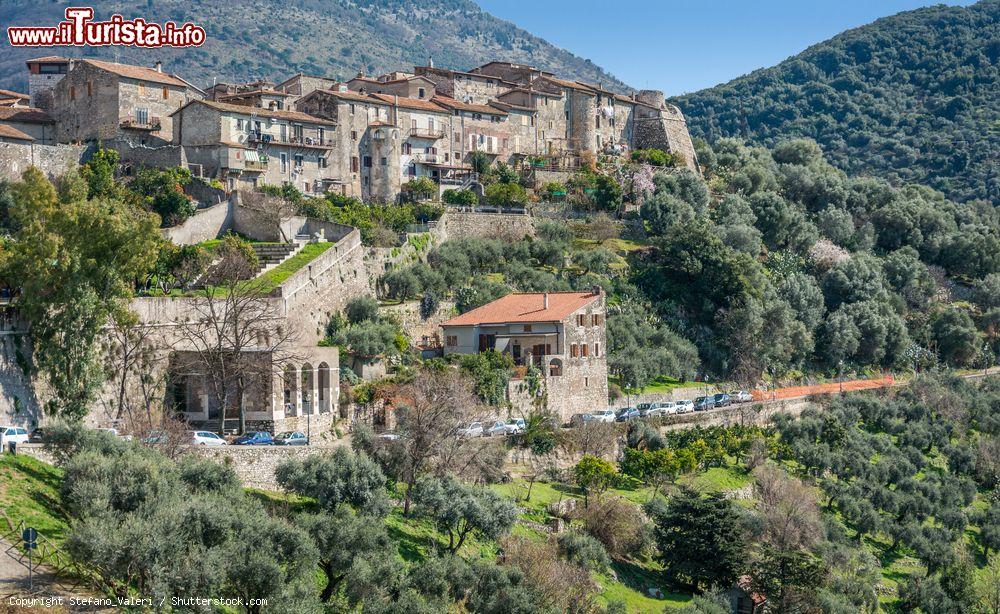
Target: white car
[(603, 415), (206, 438), (684, 406), (473, 430), (662, 409), (740, 396), (500, 428), (12, 434)]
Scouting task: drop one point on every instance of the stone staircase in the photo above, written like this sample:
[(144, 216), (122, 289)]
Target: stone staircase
[(270, 255)]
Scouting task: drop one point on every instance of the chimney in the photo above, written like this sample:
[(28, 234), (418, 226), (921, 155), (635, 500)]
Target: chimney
[(545, 300), (430, 62), (159, 66)]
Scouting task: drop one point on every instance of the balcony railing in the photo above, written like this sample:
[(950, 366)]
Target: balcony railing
[(255, 165), (427, 133), (149, 123), (304, 141), (426, 158)]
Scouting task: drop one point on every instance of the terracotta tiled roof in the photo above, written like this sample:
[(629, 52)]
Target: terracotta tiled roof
[(247, 110), (13, 133), (49, 58), (138, 72), (525, 307), (10, 94), (355, 96), (451, 103), (410, 103), (28, 116), (570, 84)]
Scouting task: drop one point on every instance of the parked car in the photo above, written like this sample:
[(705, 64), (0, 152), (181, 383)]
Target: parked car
[(206, 438), (155, 437), (604, 415), (722, 400), (517, 425), (662, 409), (474, 430), (291, 438), (501, 428), (644, 409), (578, 420), (704, 403), (12, 434), (628, 413), (387, 436), (37, 436), (255, 438), (741, 396), (684, 406)]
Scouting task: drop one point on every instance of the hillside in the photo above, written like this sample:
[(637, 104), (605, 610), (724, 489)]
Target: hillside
[(913, 98), (246, 38)]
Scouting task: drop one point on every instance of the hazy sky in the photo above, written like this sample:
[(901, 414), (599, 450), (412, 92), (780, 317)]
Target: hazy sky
[(683, 45)]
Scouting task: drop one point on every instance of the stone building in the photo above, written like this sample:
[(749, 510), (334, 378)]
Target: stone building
[(562, 334), (43, 75), (246, 146), (105, 101), (35, 123)]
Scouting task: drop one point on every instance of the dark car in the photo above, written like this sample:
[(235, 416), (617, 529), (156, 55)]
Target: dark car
[(256, 438), (291, 438), (37, 436), (704, 403), (722, 400)]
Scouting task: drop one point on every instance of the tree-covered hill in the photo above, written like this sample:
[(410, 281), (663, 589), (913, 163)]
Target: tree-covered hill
[(275, 39), (913, 98)]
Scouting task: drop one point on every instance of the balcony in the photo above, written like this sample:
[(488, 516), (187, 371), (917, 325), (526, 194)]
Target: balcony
[(256, 166), (309, 141), (259, 137), (147, 123), (426, 158), (427, 133)]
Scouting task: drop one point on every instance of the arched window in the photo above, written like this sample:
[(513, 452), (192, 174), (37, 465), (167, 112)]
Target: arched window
[(555, 368)]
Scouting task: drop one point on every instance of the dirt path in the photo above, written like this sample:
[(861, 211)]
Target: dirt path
[(49, 594)]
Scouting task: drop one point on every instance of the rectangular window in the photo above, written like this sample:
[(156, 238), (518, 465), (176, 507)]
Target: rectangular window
[(585, 349), (574, 351), (354, 135), (451, 340), (165, 94), (90, 88), (142, 89), (284, 162), (579, 319), (354, 164), (368, 161), (597, 350), (527, 328), (142, 116), (298, 161), (383, 161), (586, 382), (72, 93), (323, 163)]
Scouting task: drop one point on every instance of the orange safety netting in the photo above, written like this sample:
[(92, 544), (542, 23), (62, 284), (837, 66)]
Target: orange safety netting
[(793, 392)]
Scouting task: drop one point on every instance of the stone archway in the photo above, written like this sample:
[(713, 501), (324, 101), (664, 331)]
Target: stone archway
[(555, 367), (308, 388), (290, 400), (324, 390)]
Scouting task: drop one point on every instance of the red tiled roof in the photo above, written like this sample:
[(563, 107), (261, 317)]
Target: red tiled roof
[(48, 58), (247, 110), (138, 72), (451, 103), (14, 133), (410, 103), (525, 307), (356, 96), (28, 116), (11, 94)]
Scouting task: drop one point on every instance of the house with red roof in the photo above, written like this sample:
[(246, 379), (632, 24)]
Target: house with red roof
[(560, 335)]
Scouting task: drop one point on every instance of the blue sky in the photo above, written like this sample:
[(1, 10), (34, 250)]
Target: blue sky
[(684, 45)]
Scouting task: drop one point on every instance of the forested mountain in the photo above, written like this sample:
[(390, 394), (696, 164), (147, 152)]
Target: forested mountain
[(912, 98), (274, 39)]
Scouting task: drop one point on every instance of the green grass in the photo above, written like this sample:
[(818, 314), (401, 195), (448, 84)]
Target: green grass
[(717, 479), (276, 276), (29, 492)]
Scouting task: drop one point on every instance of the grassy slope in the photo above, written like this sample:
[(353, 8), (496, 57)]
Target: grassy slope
[(276, 276), (29, 492)]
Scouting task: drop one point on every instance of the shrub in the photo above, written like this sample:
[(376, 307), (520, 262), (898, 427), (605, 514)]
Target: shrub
[(554, 190), (505, 195), (460, 197), (583, 550), (620, 526), (361, 309), (421, 188)]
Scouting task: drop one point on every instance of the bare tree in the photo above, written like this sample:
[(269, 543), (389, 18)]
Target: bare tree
[(430, 410), (269, 211), (235, 337), (129, 354), (788, 508)]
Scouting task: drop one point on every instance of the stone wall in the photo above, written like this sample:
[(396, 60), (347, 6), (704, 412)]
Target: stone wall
[(418, 329), (19, 404), (487, 225), (53, 160), (137, 153), (206, 224)]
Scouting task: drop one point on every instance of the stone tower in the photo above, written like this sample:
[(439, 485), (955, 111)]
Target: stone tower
[(659, 125)]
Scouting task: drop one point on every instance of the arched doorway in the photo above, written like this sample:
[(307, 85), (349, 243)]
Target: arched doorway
[(308, 385), (555, 368), (291, 394), (323, 390)]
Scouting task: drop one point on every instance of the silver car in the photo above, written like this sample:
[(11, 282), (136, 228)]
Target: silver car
[(740, 396), (473, 430)]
